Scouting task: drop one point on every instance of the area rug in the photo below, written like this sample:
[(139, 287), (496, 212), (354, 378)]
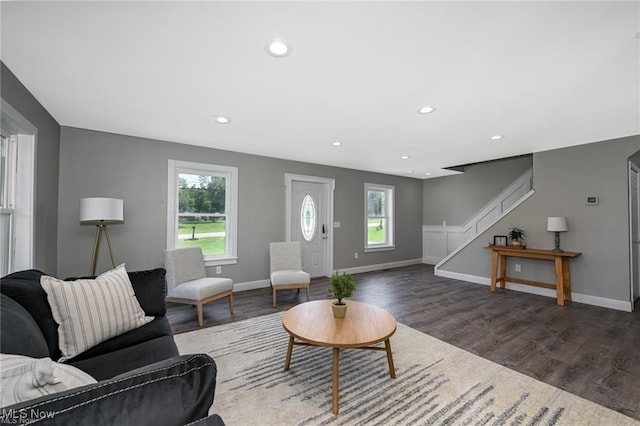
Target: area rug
[(436, 384)]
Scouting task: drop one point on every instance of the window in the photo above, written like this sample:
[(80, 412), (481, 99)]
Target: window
[(17, 190), (308, 218), (7, 197), (378, 214), (202, 210)]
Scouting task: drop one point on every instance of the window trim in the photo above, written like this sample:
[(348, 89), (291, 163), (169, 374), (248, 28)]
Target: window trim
[(389, 244), (231, 206), (22, 250)]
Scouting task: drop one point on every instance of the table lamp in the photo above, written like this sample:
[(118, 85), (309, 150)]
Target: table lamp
[(101, 212), (557, 225)]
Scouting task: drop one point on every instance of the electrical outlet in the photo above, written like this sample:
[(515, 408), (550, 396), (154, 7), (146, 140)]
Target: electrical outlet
[(355, 255), (518, 267), (218, 270)]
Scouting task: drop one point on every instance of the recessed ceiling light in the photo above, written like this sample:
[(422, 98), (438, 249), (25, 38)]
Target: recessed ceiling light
[(404, 157), (278, 48), (426, 109), (428, 173), (496, 137), (336, 143), (221, 119)]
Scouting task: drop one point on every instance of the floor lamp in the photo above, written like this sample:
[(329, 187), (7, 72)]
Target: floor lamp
[(101, 212)]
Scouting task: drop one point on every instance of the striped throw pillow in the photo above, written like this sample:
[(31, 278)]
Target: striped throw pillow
[(25, 378), (90, 311)]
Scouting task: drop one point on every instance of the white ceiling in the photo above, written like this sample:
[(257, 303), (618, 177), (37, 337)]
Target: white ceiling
[(544, 75)]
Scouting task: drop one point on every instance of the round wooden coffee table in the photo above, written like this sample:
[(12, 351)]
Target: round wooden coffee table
[(313, 324)]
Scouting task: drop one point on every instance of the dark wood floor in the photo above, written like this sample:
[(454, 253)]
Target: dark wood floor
[(588, 351)]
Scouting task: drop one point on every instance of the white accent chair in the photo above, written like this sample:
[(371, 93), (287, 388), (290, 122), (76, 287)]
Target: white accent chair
[(187, 280), (286, 268)]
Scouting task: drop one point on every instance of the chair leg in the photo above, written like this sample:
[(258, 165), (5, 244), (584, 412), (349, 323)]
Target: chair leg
[(274, 297), (200, 315), (307, 294), (231, 302)]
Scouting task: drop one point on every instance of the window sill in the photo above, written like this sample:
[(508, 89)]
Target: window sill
[(221, 261), (379, 248)]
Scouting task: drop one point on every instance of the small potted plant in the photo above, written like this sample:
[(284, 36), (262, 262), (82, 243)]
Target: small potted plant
[(516, 235), (341, 286)]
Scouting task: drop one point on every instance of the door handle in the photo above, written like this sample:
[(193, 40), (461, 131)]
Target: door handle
[(324, 231)]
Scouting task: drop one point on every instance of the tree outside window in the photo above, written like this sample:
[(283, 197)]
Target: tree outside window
[(204, 201), (202, 213)]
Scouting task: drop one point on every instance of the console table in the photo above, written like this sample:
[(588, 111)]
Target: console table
[(561, 260)]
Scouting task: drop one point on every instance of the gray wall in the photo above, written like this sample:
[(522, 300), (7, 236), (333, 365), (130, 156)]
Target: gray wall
[(563, 178), (455, 199), (134, 169), (47, 155)]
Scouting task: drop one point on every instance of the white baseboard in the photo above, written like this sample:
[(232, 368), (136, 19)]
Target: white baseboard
[(430, 260), (464, 277), (250, 285), (380, 266), (587, 299)]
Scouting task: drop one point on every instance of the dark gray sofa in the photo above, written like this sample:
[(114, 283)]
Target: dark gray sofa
[(141, 377)]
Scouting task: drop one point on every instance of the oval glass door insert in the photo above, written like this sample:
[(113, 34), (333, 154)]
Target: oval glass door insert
[(308, 218)]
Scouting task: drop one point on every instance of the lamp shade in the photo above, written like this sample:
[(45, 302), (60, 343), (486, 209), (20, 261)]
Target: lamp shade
[(557, 224), (96, 210)]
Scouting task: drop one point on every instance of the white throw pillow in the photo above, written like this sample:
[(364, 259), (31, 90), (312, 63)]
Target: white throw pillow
[(25, 378), (91, 311)]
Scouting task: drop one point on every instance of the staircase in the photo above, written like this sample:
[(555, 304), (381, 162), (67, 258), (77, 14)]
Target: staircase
[(438, 242)]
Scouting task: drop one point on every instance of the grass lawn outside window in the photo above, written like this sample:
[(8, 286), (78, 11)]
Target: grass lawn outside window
[(375, 232), (210, 245)]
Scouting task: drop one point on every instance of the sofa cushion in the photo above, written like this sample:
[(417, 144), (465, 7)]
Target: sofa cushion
[(151, 289), (121, 360), (159, 327), (24, 287), (172, 392), (92, 311), (21, 335), (149, 286), (24, 378), (212, 420)]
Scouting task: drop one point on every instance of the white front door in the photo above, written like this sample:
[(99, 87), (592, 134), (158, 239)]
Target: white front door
[(309, 219)]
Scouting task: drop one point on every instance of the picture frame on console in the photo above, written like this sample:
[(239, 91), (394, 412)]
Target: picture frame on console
[(500, 240)]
